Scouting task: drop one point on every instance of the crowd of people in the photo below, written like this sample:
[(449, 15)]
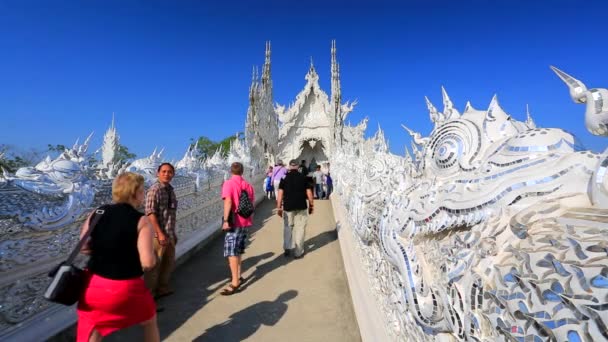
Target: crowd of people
[(132, 253), (322, 182)]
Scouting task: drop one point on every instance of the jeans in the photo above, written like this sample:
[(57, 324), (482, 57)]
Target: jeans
[(319, 190)]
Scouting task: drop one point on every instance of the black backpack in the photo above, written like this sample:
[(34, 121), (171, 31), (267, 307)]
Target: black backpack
[(245, 208)]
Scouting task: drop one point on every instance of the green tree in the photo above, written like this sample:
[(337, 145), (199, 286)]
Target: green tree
[(12, 162), (56, 148), (124, 155), (207, 147)]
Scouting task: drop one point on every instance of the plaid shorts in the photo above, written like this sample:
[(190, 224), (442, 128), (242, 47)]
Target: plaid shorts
[(234, 242)]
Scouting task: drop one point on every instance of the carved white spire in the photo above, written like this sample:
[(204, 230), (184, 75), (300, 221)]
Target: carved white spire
[(312, 76), (266, 77), (379, 141), (469, 107), (497, 123), (436, 117), (336, 96), (448, 107), (529, 122), (109, 149)]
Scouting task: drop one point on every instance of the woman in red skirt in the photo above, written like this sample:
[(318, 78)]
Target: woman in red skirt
[(120, 249)]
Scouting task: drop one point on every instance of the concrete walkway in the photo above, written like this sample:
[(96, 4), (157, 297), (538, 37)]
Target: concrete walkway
[(282, 299)]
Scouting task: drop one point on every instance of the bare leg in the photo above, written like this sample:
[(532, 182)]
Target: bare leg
[(95, 336), (238, 272), (233, 262), (151, 333)]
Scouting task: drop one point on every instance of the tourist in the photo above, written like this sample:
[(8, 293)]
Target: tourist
[(303, 169), (318, 178), (268, 188), (120, 248), (278, 173), (161, 209), (234, 225), (294, 190), (329, 182)]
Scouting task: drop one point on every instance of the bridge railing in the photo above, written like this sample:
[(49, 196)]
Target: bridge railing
[(28, 252)]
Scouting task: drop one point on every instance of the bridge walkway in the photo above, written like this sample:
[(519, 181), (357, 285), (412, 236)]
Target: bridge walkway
[(282, 299)]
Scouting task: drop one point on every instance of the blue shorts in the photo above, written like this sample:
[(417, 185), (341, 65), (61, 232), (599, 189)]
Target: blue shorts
[(234, 242)]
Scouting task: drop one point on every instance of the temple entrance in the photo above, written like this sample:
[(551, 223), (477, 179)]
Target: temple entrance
[(314, 154)]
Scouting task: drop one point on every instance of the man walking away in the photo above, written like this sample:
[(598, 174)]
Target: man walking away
[(235, 225), (161, 209), (303, 169), (278, 173), (294, 190), (318, 177)]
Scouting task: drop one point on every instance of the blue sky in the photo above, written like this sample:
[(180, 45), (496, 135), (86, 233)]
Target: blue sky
[(175, 70)]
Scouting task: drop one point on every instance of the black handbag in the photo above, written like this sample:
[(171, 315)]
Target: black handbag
[(69, 281)]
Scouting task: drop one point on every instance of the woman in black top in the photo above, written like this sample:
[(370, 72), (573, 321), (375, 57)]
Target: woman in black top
[(120, 249)]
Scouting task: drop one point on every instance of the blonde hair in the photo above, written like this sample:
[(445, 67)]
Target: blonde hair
[(125, 186)]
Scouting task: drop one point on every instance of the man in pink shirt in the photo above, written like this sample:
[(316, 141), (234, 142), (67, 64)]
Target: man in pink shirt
[(234, 225)]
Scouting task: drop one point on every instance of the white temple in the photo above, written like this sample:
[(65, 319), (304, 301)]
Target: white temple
[(308, 128), (494, 230)]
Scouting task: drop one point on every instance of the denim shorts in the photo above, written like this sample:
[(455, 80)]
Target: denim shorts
[(234, 242)]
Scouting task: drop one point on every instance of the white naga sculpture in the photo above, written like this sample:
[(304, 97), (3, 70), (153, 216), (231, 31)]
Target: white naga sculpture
[(496, 231), (55, 191)]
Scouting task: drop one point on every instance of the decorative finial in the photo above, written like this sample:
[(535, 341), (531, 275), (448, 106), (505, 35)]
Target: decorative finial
[(448, 107)]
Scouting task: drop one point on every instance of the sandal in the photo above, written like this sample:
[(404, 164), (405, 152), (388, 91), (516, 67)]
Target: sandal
[(164, 294), (230, 290)]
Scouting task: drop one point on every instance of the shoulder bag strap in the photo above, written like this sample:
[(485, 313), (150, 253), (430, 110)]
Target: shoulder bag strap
[(96, 216)]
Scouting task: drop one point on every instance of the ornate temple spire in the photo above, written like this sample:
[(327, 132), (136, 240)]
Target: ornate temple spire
[(336, 93), (266, 82), (110, 147)]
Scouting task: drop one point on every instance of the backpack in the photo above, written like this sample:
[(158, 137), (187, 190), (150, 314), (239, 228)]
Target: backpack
[(245, 208)]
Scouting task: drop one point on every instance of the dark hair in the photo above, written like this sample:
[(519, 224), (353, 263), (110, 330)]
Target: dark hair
[(303, 161), (163, 164), (319, 167), (236, 168)]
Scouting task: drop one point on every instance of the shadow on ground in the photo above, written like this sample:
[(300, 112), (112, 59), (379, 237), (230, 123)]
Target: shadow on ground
[(197, 281), (242, 324), (311, 244)]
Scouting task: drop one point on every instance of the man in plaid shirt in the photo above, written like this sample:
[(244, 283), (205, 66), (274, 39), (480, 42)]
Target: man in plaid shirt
[(161, 208)]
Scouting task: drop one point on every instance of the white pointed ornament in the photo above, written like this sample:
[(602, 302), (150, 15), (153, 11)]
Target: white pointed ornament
[(448, 107)]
